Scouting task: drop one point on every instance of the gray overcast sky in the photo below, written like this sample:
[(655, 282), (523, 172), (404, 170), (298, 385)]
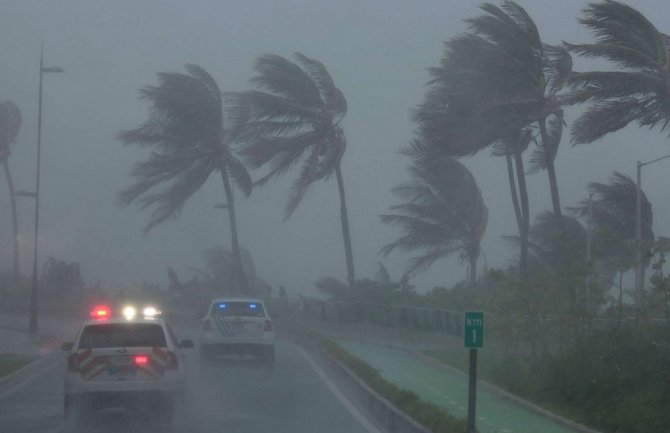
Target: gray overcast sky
[(377, 52)]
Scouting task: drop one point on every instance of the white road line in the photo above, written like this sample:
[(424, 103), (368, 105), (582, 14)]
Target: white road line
[(339, 394), (22, 384)]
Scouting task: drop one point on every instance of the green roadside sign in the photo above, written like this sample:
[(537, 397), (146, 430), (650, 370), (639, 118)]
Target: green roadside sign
[(474, 330)]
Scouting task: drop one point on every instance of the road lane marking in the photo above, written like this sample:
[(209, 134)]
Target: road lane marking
[(358, 416), (27, 380)]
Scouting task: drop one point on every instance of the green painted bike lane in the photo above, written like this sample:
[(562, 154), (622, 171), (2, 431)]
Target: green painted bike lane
[(450, 390)]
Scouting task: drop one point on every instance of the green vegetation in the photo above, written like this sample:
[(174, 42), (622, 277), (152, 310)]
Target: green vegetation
[(430, 415), (10, 363), (617, 381)]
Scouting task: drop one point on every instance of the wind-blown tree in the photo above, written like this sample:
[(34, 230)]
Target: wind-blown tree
[(469, 107), (638, 90), (612, 208), (218, 270), (10, 124), (557, 253), (189, 142), (442, 213), (296, 118)]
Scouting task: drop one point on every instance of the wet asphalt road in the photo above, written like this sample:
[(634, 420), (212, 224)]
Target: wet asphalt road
[(222, 397)]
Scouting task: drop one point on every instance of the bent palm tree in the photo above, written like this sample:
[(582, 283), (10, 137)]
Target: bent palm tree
[(189, 142), (442, 213), (10, 123), (295, 121), (469, 107), (612, 209), (639, 91)]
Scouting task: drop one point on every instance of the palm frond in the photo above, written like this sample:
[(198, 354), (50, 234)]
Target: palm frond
[(324, 82), (616, 24), (270, 106), (558, 67), (601, 86), (281, 76), (603, 118), (239, 174)]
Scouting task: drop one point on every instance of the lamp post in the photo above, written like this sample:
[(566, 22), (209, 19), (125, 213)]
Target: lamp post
[(638, 231), (34, 287)]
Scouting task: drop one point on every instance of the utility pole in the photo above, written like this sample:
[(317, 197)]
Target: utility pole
[(639, 278), (34, 293)]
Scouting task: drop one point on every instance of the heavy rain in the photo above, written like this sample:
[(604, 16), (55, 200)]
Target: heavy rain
[(319, 216)]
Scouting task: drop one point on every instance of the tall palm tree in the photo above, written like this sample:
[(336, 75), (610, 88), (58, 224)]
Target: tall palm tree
[(10, 124), (469, 107), (442, 212), (639, 90), (612, 212), (512, 149), (189, 141), (296, 118)]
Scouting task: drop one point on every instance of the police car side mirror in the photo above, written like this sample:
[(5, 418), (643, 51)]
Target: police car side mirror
[(186, 344), (67, 346)]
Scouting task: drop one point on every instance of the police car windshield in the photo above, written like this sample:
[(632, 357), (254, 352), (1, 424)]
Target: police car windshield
[(122, 335), (238, 309)]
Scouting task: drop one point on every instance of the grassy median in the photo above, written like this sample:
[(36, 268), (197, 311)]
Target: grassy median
[(10, 363), (435, 418)]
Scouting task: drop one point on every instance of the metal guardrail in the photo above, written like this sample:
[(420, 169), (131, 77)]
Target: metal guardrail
[(397, 316)]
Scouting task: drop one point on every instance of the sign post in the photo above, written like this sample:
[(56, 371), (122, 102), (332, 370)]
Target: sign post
[(474, 339)]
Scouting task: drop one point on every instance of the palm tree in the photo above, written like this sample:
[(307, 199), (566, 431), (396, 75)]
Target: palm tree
[(469, 107), (557, 255), (296, 121), (612, 213), (218, 270), (442, 212), (639, 90), (512, 149), (10, 123), (185, 131)]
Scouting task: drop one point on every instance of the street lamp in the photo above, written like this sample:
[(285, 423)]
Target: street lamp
[(638, 230), (34, 289)]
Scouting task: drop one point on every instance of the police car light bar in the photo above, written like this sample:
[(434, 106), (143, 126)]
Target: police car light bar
[(100, 312)]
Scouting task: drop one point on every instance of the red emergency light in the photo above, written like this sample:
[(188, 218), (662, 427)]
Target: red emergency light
[(100, 312)]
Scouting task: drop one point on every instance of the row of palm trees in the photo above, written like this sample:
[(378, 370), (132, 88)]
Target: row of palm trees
[(194, 130), (498, 87)]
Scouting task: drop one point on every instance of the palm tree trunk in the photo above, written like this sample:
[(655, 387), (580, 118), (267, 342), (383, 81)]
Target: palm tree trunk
[(238, 270), (15, 224), (550, 155), (473, 270), (620, 297), (525, 217), (523, 260), (512, 187), (345, 230)]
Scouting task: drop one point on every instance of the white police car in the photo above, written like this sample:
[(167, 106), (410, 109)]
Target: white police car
[(237, 326), (133, 362)]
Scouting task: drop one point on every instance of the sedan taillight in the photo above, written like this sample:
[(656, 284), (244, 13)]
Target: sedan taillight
[(206, 325), (268, 326)]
